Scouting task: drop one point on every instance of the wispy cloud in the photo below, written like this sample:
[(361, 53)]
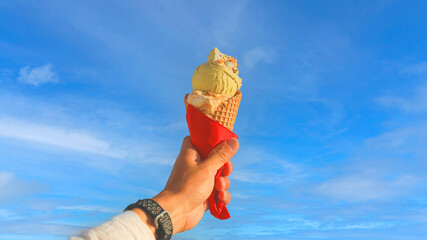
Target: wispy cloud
[(256, 55), (274, 172), (364, 188), (417, 102), (37, 76), (299, 222), (11, 187), (282, 226), (419, 68), (408, 139), (56, 136), (7, 214), (86, 208), (33, 120), (256, 177), (257, 165), (155, 157), (20, 227), (281, 174)]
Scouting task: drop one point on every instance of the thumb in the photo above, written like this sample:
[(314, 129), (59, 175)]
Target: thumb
[(222, 153)]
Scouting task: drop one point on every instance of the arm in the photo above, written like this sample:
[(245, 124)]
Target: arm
[(191, 182), (185, 194)]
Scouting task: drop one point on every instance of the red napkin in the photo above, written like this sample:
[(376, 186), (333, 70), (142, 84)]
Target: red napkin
[(205, 134)]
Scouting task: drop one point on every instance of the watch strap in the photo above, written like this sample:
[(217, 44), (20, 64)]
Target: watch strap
[(161, 217)]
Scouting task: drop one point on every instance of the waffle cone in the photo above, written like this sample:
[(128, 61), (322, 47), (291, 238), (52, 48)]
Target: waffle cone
[(226, 113)]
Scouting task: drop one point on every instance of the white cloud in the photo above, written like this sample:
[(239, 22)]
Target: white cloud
[(417, 102), (156, 157), (23, 227), (86, 208), (281, 223), (56, 136), (254, 177), (11, 187), (256, 55), (274, 172), (37, 76), (300, 222), (8, 215), (381, 168), (410, 139), (267, 175), (368, 225), (365, 188), (419, 68), (257, 165)]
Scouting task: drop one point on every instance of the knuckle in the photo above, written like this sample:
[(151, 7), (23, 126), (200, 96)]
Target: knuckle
[(222, 154), (186, 140)]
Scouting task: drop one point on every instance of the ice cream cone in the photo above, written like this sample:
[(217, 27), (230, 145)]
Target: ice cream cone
[(214, 102), (226, 113)]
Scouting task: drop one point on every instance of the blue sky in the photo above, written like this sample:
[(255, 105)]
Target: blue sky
[(332, 124)]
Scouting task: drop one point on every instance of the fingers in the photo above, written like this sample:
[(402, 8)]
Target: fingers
[(224, 197), (228, 168), (222, 183), (222, 153)]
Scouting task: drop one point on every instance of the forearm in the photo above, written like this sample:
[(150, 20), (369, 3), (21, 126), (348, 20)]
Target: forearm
[(184, 196), (127, 225), (147, 220)]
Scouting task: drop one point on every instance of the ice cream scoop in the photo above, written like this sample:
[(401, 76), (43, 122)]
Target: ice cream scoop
[(206, 102), (218, 75)]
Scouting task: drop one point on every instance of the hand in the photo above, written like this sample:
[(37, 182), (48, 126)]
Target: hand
[(192, 181)]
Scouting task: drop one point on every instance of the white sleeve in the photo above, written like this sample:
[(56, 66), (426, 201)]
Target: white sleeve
[(127, 226)]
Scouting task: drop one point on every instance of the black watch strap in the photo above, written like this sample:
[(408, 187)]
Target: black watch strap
[(161, 217)]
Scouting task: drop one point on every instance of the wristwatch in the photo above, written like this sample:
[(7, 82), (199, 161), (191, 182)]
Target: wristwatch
[(162, 219)]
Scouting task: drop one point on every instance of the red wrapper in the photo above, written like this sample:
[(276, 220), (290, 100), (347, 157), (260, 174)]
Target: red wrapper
[(205, 134)]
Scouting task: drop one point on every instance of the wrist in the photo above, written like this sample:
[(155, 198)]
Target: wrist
[(145, 218), (171, 202)]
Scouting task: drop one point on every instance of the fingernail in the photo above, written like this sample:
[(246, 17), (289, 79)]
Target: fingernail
[(233, 143)]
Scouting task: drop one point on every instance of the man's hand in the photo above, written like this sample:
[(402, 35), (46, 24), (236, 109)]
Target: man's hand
[(192, 181)]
